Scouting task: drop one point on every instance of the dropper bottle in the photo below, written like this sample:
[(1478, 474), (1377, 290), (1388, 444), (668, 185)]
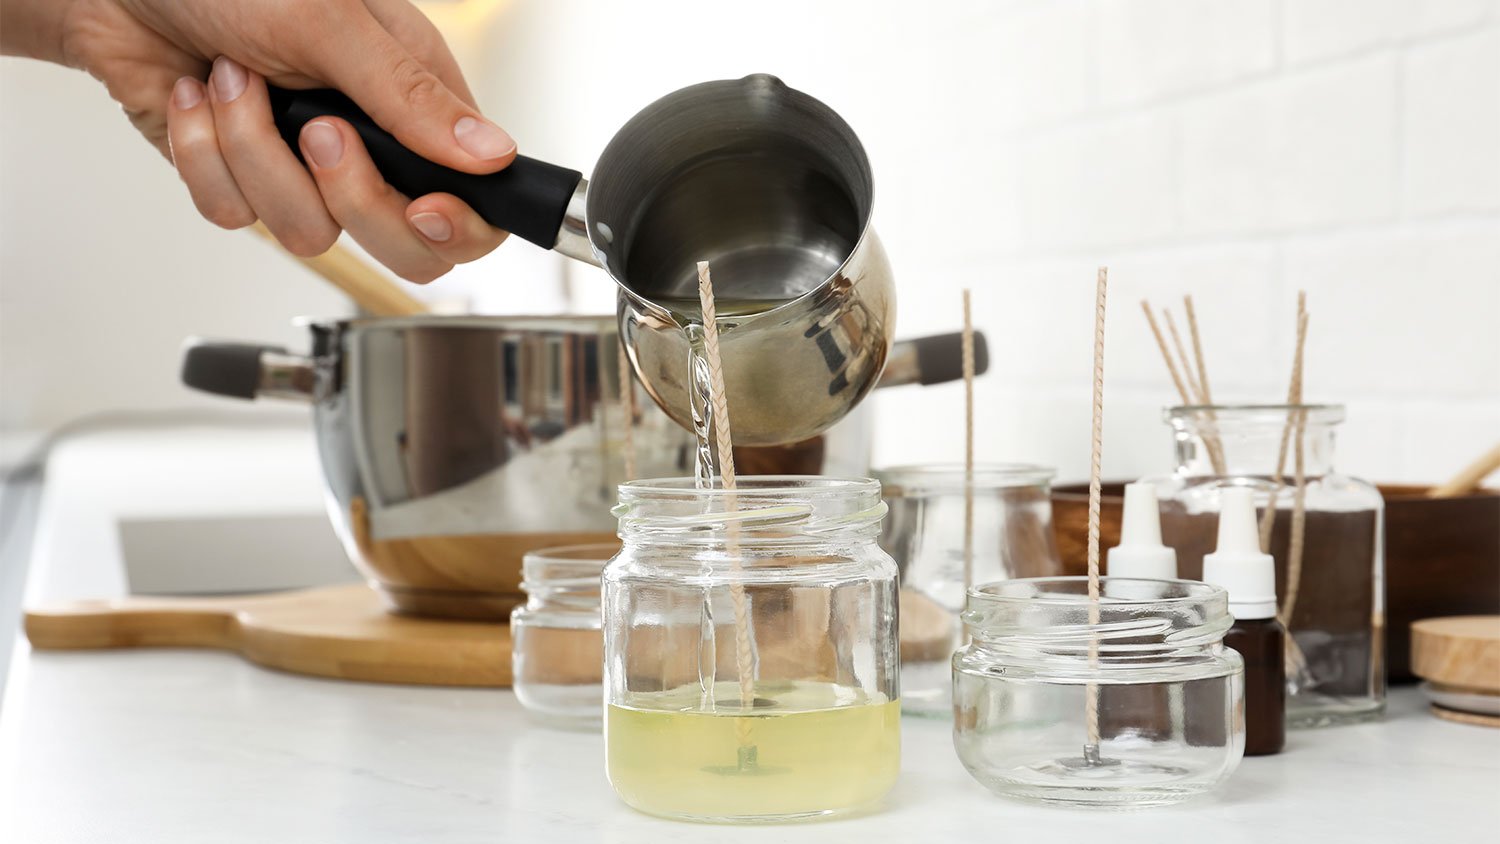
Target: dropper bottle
[(1249, 575), (1140, 552)]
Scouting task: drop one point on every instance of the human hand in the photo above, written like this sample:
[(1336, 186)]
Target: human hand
[(384, 54)]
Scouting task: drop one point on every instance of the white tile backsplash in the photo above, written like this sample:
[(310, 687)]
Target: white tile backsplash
[(1451, 125)]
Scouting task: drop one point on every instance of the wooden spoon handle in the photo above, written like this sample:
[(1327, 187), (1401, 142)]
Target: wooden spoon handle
[(133, 622), (367, 286), (1469, 478)]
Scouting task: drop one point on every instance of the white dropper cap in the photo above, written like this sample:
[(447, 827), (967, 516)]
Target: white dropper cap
[(1140, 552), (1238, 564)]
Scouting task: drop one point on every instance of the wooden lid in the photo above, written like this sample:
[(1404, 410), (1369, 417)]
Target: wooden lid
[(1462, 651)]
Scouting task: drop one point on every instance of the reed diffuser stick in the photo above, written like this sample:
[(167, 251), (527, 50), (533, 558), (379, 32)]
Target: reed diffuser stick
[(967, 350), (627, 408), (1214, 458), (1096, 452), (1205, 394), (1161, 343), (1194, 382), (1293, 398), (724, 443)]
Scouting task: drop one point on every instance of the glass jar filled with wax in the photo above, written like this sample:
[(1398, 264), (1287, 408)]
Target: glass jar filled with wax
[(943, 542), (557, 648), (1141, 705), (751, 657), (1323, 528)]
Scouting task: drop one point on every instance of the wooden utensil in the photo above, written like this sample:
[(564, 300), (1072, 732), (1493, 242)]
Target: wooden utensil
[(1469, 477), (370, 289), (343, 632)]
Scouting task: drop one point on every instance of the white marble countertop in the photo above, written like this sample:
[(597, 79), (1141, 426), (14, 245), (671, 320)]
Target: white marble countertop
[(198, 746), (165, 746)]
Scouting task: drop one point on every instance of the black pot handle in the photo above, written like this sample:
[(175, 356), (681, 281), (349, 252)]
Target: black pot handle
[(528, 199), (246, 370)]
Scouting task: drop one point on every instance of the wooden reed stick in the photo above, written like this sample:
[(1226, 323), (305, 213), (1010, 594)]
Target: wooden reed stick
[(1188, 375), (1467, 479), (968, 366), (627, 408), (1205, 394), (1096, 452), (1161, 343), (1293, 398), (724, 443), (1299, 524), (1214, 458)]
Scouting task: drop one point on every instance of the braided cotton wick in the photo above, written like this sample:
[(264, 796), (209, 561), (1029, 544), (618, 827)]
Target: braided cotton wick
[(725, 445), (1091, 694)]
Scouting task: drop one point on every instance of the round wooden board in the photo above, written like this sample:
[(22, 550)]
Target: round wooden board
[(1461, 651), (1472, 718), (343, 632)]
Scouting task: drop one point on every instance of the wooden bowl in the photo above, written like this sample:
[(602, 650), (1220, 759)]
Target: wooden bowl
[(1442, 555)]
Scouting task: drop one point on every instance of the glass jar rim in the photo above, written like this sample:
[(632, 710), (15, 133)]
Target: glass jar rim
[(1239, 414), (1003, 592), (1052, 613), (751, 486), (566, 566), (950, 476), (762, 509)]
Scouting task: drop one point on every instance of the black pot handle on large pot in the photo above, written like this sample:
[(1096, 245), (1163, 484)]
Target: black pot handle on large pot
[(246, 370), (528, 199)]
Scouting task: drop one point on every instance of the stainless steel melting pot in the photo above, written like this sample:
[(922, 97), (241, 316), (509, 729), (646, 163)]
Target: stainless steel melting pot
[(767, 184), (451, 446)]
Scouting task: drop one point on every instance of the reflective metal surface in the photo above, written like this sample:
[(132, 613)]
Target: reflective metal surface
[(454, 445), (774, 190)]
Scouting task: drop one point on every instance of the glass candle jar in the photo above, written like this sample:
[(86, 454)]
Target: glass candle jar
[(751, 650), (1146, 707), (1330, 562), (924, 532), (557, 648)]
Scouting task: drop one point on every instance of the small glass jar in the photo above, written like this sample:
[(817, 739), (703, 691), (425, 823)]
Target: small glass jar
[(1168, 717), (1332, 601), (751, 650), (924, 533), (557, 649)]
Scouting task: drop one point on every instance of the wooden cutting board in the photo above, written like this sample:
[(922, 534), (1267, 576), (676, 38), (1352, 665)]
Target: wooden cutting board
[(343, 632)]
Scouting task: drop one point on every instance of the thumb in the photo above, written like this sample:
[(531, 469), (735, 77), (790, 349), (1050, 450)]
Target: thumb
[(413, 104)]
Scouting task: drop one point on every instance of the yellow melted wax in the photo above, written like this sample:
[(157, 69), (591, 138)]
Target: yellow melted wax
[(806, 749)]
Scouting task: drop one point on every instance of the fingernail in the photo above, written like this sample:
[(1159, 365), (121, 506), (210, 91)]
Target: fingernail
[(433, 226), (187, 93), (228, 78), (482, 139), (323, 143)]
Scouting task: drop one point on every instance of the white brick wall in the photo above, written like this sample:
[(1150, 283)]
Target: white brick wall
[(1233, 149)]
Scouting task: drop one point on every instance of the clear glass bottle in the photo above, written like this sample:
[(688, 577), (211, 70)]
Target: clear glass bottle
[(1332, 601), (557, 647), (751, 650), (1169, 697), (924, 533)]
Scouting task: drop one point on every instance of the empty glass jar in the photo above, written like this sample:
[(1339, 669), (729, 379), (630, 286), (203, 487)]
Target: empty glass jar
[(557, 649), (1330, 562), (1146, 707), (751, 650), (924, 532)]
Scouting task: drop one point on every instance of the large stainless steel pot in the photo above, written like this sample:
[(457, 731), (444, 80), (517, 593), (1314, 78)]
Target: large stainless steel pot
[(451, 446), (766, 183)]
